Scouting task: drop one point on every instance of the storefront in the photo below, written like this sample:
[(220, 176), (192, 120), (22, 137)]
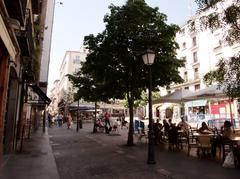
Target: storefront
[(196, 110), (222, 109)]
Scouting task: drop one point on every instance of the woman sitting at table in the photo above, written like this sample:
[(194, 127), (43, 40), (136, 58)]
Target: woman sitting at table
[(226, 130), (204, 129), (226, 133)]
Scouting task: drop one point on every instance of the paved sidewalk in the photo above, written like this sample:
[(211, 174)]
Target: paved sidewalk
[(35, 162)]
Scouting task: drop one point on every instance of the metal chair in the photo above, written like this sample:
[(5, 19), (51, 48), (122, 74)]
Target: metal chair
[(191, 141)]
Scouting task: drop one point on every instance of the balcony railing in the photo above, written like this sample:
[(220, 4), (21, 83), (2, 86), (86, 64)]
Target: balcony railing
[(25, 39), (16, 9)]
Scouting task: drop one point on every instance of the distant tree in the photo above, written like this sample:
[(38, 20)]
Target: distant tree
[(114, 64), (87, 89), (223, 14), (67, 100)]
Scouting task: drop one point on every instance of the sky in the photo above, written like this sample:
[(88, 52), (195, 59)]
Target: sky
[(75, 19)]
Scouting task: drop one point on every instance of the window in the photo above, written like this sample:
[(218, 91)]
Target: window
[(194, 41), (184, 58), (197, 87), (196, 74), (195, 58), (185, 77), (182, 31), (191, 25), (184, 45), (186, 88), (216, 41), (76, 60)]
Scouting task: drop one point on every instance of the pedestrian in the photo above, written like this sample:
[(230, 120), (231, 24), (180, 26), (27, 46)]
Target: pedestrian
[(108, 126), (69, 121), (60, 120), (49, 120)]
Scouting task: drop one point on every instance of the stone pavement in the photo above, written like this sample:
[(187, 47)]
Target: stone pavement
[(36, 161), (88, 155)]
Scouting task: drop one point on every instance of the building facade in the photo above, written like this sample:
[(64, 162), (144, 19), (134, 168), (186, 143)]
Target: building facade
[(62, 92), (20, 41), (202, 50)]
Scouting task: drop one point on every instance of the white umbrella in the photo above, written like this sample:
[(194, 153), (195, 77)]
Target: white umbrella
[(212, 92), (177, 96)]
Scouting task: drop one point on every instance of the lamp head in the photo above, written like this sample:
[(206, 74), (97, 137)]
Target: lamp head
[(148, 57)]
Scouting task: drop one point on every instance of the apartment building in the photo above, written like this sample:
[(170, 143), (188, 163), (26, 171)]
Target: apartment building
[(54, 96), (202, 50), (71, 64)]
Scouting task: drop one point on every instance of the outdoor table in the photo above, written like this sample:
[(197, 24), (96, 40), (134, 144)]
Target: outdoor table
[(235, 139)]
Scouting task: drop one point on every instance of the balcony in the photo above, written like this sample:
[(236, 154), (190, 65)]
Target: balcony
[(25, 39), (16, 9)]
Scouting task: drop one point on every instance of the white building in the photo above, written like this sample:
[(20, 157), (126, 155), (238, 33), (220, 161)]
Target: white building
[(71, 64), (202, 50), (49, 8), (54, 95)]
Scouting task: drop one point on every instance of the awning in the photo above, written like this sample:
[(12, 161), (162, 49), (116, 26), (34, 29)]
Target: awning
[(41, 94)]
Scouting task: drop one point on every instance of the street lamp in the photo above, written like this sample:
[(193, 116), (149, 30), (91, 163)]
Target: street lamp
[(148, 59)]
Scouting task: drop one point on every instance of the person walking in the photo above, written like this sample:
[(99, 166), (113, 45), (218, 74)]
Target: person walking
[(108, 126), (69, 121)]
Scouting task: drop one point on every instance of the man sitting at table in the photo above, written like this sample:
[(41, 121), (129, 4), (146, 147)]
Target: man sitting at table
[(204, 129), (183, 125)]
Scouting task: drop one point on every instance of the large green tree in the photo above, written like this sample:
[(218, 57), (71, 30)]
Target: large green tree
[(115, 62)]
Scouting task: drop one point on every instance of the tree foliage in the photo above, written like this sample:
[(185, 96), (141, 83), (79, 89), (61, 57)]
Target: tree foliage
[(114, 64), (227, 75), (223, 14)]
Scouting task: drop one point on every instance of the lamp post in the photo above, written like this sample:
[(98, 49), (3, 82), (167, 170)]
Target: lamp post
[(148, 58)]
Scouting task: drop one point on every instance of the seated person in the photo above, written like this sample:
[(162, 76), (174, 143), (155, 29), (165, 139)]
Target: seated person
[(226, 133), (204, 129), (183, 125), (226, 130)]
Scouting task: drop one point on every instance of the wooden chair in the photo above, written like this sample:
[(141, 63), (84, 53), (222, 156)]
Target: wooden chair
[(204, 144)]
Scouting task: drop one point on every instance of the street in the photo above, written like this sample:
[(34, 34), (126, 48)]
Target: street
[(88, 155)]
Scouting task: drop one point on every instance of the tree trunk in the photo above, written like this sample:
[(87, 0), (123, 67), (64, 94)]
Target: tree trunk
[(95, 119), (130, 131)]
